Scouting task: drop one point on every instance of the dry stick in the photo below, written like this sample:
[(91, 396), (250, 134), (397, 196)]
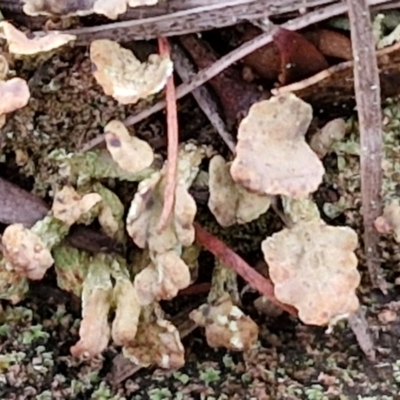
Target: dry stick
[(367, 93), (173, 143), (185, 18), (224, 62), (221, 251), (202, 95)]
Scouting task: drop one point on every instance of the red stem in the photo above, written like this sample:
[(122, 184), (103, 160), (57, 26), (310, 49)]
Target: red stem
[(232, 260)]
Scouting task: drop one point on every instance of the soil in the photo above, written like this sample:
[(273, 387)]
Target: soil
[(291, 361)]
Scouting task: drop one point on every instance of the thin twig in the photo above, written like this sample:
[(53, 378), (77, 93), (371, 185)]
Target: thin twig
[(232, 260), (203, 97), (367, 92), (173, 143)]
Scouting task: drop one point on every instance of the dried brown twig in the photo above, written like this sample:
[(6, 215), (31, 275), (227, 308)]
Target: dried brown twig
[(224, 62), (367, 92), (179, 17)]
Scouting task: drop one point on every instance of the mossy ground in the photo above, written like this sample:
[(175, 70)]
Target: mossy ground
[(292, 361)]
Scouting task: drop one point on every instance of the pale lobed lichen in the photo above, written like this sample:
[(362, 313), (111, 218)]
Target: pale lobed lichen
[(230, 202), (167, 273), (272, 156), (313, 265), (123, 76)]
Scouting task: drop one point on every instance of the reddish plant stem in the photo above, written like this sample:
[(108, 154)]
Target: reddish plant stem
[(172, 123), (220, 250)]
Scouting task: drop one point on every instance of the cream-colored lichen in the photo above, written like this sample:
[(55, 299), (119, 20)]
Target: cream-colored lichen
[(230, 202), (82, 168), (110, 9), (389, 221), (14, 95), (25, 252), (314, 268), (19, 44), (272, 156), (69, 207), (226, 325), (322, 141), (167, 272), (129, 152), (157, 341), (123, 76), (96, 296), (127, 307), (162, 278)]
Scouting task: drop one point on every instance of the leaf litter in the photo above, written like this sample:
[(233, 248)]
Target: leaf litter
[(274, 159)]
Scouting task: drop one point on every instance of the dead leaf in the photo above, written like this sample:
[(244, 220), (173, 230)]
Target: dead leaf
[(337, 82), (19, 44), (26, 252), (272, 156), (267, 61), (123, 76), (129, 152), (331, 43), (230, 202), (226, 325), (314, 268), (299, 57)]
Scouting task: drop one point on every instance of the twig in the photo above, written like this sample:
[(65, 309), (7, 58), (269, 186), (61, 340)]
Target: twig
[(173, 143), (187, 17), (224, 62), (359, 325), (185, 69), (367, 92), (232, 260)]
